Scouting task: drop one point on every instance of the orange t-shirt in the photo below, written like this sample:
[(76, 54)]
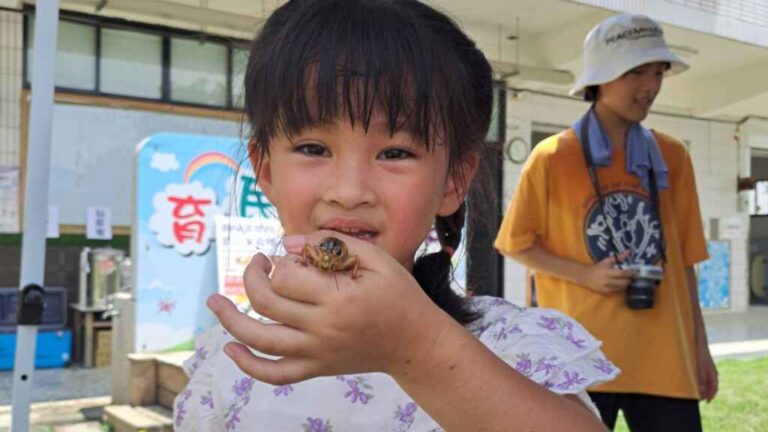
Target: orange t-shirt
[(555, 204)]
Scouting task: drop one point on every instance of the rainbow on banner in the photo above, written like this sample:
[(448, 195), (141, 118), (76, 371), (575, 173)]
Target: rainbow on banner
[(206, 159)]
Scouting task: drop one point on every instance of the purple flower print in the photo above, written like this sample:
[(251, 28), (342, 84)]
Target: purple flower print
[(200, 356), (181, 409), (571, 380), (317, 425), (497, 301), (356, 393), (405, 417), (242, 391), (578, 343), (546, 364), (406, 413), (524, 364), (549, 323), (603, 365), (283, 390), (233, 417), (207, 399), (242, 386)]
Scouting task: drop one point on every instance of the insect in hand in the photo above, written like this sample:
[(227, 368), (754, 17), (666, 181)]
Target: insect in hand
[(330, 255)]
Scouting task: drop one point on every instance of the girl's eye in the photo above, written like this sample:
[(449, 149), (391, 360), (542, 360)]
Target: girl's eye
[(396, 153), (311, 149)]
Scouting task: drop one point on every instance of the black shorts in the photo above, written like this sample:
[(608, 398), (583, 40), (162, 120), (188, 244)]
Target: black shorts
[(645, 413)]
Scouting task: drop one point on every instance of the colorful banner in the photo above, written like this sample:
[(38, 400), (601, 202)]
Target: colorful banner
[(715, 276), (198, 219), (184, 184)]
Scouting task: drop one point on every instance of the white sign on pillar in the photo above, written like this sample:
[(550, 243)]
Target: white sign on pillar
[(99, 223), (52, 230)]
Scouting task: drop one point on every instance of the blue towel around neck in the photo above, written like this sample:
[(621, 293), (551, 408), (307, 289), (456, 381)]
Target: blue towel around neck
[(641, 148)]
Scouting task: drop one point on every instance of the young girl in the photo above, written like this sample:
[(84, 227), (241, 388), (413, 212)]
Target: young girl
[(368, 120)]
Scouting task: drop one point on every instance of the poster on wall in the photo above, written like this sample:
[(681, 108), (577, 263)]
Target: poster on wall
[(184, 184), (9, 199), (238, 239), (715, 276)]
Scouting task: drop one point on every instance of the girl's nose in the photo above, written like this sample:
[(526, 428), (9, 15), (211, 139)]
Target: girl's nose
[(351, 185)]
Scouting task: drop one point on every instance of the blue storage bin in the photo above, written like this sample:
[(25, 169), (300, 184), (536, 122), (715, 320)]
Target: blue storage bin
[(53, 349)]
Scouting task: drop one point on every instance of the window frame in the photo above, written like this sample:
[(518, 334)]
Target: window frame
[(165, 33)]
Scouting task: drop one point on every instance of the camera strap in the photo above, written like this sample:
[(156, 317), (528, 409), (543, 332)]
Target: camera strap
[(654, 190)]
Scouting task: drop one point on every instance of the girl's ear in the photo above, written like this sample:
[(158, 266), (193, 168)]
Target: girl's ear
[(262, 170), (457, 184)]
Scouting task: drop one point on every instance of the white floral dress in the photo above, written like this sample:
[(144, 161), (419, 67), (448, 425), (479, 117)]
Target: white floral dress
[(542, 344)]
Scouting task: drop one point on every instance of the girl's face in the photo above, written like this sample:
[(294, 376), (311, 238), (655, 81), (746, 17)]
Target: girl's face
[(631, 96), (380, 188)]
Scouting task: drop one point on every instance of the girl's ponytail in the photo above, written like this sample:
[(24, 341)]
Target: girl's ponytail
[(433, 271)]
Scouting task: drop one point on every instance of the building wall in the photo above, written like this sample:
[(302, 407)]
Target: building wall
[(714, 151), (10, 86)]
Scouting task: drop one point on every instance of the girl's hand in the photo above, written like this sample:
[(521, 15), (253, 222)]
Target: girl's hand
[(329, 323), (605, 278)]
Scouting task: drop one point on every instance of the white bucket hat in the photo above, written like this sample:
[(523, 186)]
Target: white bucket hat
[(622, 43)]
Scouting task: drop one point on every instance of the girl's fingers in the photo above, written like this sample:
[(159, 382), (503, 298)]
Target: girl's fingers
[(304, 284), (283, 371), (265, 301), (271, 339)]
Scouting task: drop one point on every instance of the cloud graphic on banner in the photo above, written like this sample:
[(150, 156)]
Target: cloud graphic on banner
[(164, 162), (158, 285), (183, 217)]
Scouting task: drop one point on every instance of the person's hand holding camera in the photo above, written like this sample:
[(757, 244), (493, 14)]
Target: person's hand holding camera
[(605, 277)]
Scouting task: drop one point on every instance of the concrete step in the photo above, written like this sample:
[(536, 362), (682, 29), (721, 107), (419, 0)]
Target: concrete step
[(126, 418)]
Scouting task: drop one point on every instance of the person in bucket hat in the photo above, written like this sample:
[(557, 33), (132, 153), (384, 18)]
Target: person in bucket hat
[(607, 217)]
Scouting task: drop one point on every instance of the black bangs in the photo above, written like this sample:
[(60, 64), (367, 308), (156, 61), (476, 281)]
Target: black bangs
[(318, 61)]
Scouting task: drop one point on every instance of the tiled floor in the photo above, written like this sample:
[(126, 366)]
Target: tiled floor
[(734, 327), (59, 384)]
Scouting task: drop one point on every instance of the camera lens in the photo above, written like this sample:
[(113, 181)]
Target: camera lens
[(640, 293)]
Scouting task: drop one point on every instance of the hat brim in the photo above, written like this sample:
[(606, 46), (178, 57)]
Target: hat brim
[(597, 75)]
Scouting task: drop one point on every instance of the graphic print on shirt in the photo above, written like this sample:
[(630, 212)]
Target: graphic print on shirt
[(633, 226)]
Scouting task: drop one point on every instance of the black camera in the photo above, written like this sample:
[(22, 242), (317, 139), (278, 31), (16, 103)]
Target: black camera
[(641, 292)]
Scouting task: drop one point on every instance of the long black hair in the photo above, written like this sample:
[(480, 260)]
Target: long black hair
[(315, 61)]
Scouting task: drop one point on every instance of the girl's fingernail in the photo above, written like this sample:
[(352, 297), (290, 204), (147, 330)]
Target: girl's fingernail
[(293, 243), (229, 350), (214, 302)]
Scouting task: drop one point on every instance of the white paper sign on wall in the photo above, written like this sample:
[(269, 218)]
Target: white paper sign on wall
[(729, 228), (98, 223)]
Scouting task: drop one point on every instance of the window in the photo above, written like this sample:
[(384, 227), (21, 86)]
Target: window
[(758, 199), (198, 72), (239, 63), (498, 123), (131, 63), (75, 55), (106, 56)]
